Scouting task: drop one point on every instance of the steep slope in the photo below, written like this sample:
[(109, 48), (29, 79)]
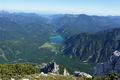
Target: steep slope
[(109, 67), (95, 48)]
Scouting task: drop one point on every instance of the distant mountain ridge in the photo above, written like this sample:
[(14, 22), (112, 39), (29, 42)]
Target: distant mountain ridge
[(66, 24), (70, 25), (18, 25)]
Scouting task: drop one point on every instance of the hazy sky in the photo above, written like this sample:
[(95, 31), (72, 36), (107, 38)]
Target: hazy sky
[(99, 7)]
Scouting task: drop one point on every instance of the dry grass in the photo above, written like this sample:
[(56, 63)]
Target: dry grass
[(52, 77)]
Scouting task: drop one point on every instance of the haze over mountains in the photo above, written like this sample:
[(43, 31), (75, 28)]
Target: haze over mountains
[(25, 37)]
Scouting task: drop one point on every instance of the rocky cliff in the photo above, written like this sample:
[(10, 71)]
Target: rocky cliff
[(95, 48), (111, 66)]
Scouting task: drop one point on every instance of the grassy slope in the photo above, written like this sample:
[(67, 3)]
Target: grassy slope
[(22, 52)]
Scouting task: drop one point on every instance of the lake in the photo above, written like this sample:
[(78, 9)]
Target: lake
[(57, 39)]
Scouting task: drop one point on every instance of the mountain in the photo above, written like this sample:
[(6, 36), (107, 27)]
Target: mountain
[(93, 47), (30, 25), (24, 26), (34, 38), (21, 35), (69, 25)]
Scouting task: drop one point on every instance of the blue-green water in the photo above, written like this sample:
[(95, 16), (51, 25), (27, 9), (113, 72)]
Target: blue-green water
[(57, 39)]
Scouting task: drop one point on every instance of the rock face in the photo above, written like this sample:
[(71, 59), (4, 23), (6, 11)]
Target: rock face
[(111, 66), (51, 68), (95, 48), (56, 68)]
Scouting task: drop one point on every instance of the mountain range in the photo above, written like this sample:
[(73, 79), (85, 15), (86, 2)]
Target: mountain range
[(25, 37)]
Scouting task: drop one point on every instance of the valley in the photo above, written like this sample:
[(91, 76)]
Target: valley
[(78, 42)]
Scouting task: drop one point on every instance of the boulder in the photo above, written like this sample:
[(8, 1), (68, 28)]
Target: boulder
[(82, 74), (12, 79)]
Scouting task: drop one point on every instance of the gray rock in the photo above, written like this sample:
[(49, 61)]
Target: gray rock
[(111, 66), (66, 73), (55, 69), (50, 68), (82, 74)]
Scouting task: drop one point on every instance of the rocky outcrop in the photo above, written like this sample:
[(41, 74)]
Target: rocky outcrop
[(66, 73), (51, 68), (111, 66)]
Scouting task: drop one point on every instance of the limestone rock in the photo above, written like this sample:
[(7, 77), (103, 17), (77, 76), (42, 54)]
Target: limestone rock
[(51, 68), (82, 74), (66, 73)]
